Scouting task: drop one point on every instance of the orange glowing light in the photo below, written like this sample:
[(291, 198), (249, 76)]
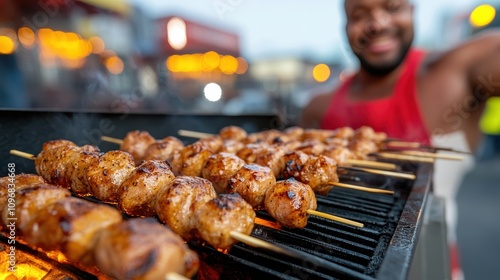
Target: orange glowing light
[(321, 72), (26, 36), (228, 64), (242, 66), (7, 45), (267, 223), (114, 65), (211, 59), (98, 45)]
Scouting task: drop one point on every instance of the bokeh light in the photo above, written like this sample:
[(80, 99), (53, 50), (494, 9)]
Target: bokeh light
[(213, 92), (482, 15), (321, 72)]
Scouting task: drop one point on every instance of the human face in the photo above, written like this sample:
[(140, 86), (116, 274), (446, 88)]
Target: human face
[(380, 32)]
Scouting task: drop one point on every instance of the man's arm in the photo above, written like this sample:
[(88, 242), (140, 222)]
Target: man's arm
[(484, 70)]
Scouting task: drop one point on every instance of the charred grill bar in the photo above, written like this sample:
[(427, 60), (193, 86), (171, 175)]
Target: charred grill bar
[(383, 249)]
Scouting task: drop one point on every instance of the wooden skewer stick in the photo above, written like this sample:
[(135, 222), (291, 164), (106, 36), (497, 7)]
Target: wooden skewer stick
[(258, 243), (324, 215), (194, 134), (403, 144), (381, 172), (374, 164), (432, 155), (335, 218), (22, 154), (405, 157), (175, 276), (359, 188), (416, 145), (112, 140)]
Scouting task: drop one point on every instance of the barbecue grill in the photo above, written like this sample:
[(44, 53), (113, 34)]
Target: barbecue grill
[(383, 249)]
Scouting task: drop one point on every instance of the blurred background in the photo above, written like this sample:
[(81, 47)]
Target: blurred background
[(229, 56)]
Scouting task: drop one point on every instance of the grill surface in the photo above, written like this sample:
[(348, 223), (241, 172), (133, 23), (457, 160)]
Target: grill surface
[(383, 249)]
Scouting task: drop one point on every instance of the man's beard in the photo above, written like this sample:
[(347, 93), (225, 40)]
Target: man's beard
[(386, 68)]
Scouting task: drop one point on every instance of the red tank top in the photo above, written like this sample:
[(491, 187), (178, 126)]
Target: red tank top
[(397, 115)]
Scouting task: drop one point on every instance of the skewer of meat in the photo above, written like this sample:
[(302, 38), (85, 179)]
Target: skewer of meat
[(135, 193), (224, 213), (190, 160), (233, 138), (91, 234), (227, 142), (362, 141)]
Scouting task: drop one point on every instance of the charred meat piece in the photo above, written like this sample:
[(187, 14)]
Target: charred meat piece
[(136, 142), (53, 161), (18, 182), (344, 133), (163, 149), (219, 168), (218, 217), (176, 202), (191, 159), (272, 157), (29, 200), (231, 146), (250, 151), (107, 174), (78, 167), (138, 191), (319, 172), (232, 133), (311, 147), (142, 249), (213, 144), (251, 183), (339, 154), (288, 202), (294, 161), (71, 225)]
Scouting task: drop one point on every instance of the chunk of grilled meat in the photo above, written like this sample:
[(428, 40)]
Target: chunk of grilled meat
[(272, 157), (213, 144), (218, 217), (219, 168), (250, 151), (191, 160), (231, 146), (136, 143), (288, 202), (251, 182), (163, 149), (78, 168), (71, 225), (344, 133), (31, 200), (9, 185), (294, 161), (319, 172), (142, 249), (107, 174), (176, 202), (232, 133), (53, 161), (339, 154), (140, 188)]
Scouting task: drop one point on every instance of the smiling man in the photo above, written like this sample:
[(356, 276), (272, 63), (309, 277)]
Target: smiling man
[(411, 94), (404, 91)]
